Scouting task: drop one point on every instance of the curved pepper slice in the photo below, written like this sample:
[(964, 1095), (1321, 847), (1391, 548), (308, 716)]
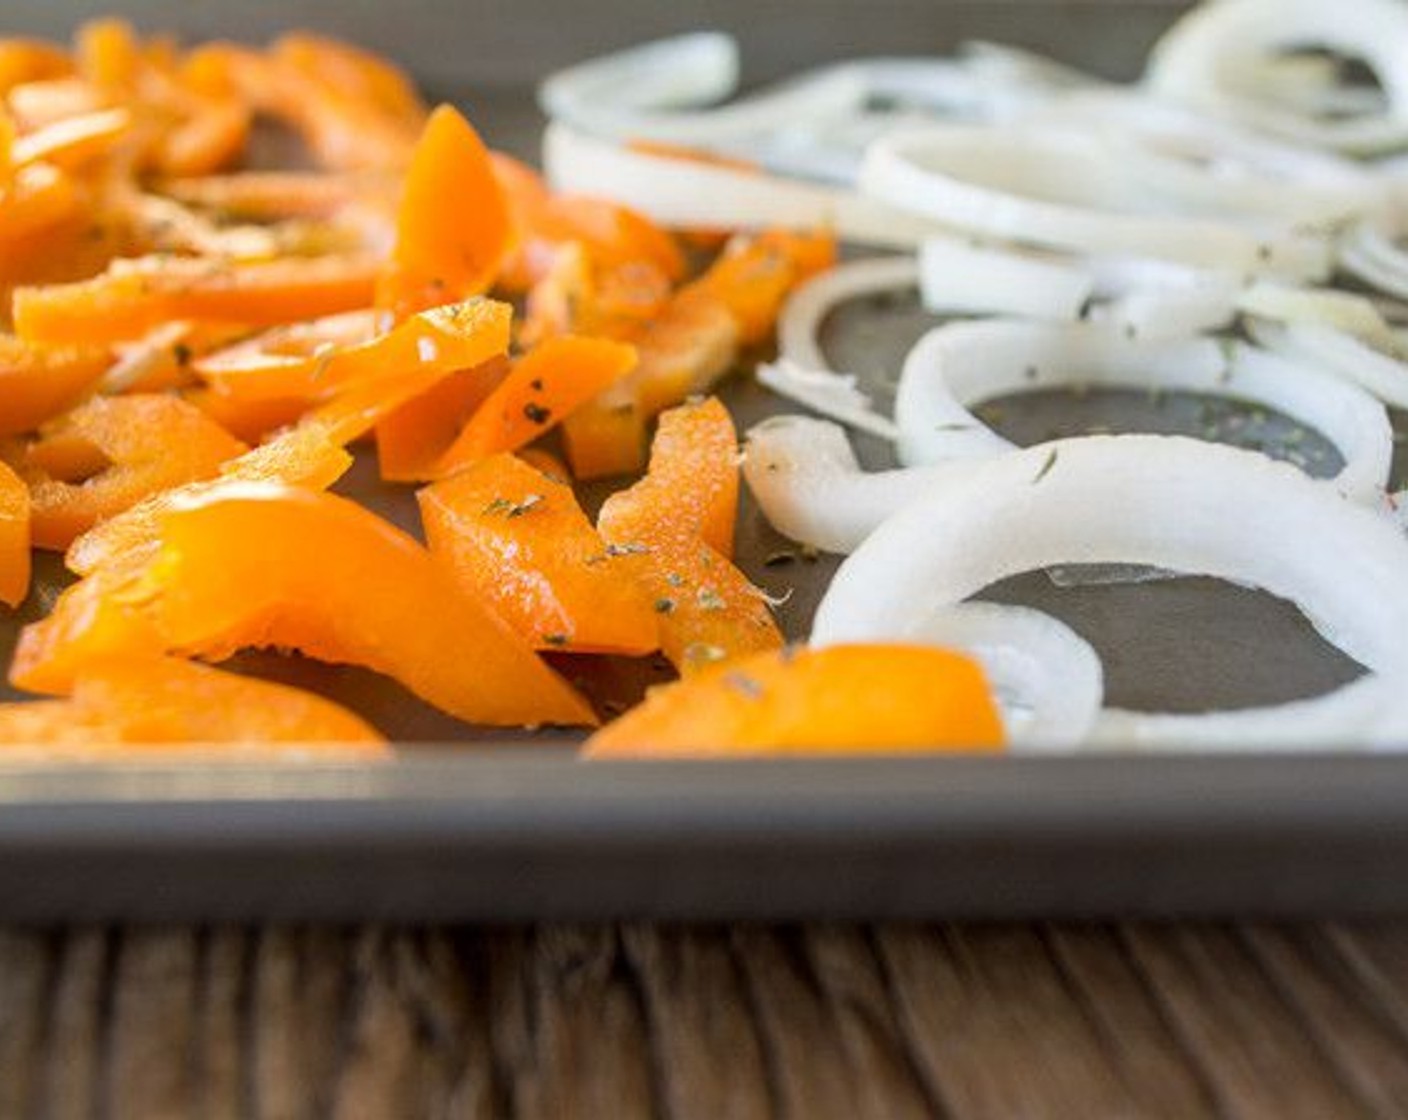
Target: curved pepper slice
[(753, 275), (151, 701), (709, 611), (30, 60), (39, 382), (412, 438), (839, 700), (578, 297), (72, 142), (691, 345), (545, 386), (37, 198), (692, 483), (306, 361), (265, 565), (14, 537), (134, 296), (311, 456), (148, 443), (269, 196), (453, 225), (519, 541)]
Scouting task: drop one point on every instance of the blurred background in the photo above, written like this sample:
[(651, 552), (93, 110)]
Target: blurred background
[(459, 45)]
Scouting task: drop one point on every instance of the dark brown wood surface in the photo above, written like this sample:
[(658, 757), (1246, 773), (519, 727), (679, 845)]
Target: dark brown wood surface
[(1178, 1021)]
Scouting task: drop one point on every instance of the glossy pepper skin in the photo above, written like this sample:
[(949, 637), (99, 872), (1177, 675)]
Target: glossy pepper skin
[(881, 699), (14, 538), (264, 565)]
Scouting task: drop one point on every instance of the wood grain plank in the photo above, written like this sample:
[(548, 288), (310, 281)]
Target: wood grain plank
[(296, 1021), (149, 1069), (707, 1051), (221, 1054), (992, 1027), (1146, 1053), (853, 985), (72, 1068), (569, 1035), (1377, 954), (1253, 1051), (1366, 1046), (804, 1057), (25, 964)]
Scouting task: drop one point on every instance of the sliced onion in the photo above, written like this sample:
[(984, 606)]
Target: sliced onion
[(1369, 252), (806, 309), (956, 366), (833, 395), (1204, 58), (1326, 347), (1198, 508), (964, 279), (682, 192), (1063, 190), (805, 477), (1193, 163), (1048, 680)]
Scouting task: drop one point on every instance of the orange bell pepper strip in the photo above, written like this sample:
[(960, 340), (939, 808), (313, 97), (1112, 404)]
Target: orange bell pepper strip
[(453, 226), (576, 297), (150, 701), (212, 136), (412, 438), (37, 198), (39, 382), (268, 196), (754, 273), (303, 361), (71, 143), (519, 541), (358, 74), (547, 385), (45, 101), (134, 296), (877, 699), (14, 537), (692, 484), (664, 525), (265, 565), (248, 421), (150, 443), (693, 344), (31, 60), (310, 455)]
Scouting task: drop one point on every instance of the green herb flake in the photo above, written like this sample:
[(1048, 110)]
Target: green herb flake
[(630, 548), (555, 640), (745, 685), (1046, 466), (709, 599), (536, 413), (664, 606)]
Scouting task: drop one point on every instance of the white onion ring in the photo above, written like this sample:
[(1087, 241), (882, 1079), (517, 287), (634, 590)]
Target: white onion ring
[(1200, 58), (1385, 377), (1062, 190), (680, 192), (956, 366), (1368, 251), (1197, 164), (1167, 501), (1048, 680), (806, 308), (830, 394), (963, 279)]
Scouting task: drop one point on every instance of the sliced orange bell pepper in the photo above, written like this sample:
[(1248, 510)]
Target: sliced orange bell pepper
[(270, 195), (300, 361), (150, 701), (150, 443), (264, 565), (692, 482), (546, 386), (211, 137), (694, 342), (37, 198), (14, 537), (310, 455), (75, 141), (358, 74), (31, 60), (453, 227), (709, 611), (518, 540), (840, 700), (247, 420), (575, 297), (133, 296), (754, 273), (39, 382), (412, 438), (43, 101)]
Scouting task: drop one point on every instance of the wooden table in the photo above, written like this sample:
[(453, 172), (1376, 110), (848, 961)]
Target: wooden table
[(957, 1021)]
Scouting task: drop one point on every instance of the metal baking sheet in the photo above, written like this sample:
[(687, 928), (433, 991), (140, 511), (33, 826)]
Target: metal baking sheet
[(473, 826)]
